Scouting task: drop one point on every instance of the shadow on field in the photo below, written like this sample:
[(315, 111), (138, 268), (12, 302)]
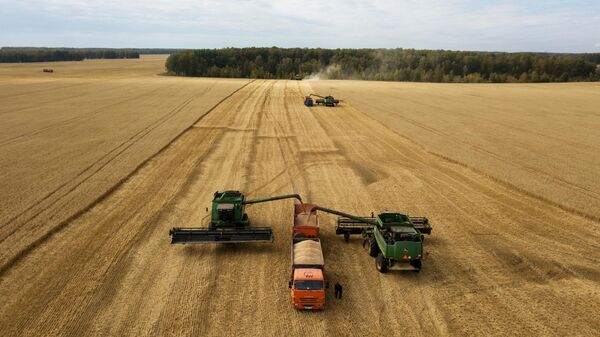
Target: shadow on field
[(228, 249)]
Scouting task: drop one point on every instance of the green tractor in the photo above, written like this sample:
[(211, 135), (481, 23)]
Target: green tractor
[(326, 100), (394, 239), (228, 222)]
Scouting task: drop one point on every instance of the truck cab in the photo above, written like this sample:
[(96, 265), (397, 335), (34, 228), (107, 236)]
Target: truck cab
[(308, 289)]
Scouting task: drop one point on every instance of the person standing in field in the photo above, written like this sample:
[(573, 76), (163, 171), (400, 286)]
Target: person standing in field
[(338, 290)]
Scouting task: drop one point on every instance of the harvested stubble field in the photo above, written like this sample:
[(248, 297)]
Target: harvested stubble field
[(101, 158)]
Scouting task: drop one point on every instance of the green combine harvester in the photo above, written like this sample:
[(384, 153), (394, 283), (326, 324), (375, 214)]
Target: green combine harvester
[(326, 100), (229, 222), (394, 239)]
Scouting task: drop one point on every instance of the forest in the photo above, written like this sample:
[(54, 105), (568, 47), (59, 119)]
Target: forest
[(385, 65), (26, 54)]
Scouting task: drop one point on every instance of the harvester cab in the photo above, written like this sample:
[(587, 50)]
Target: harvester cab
[(394, 239), (228, 210), (229, 222)]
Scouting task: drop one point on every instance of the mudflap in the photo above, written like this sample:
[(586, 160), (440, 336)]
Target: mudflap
[(404, 266)]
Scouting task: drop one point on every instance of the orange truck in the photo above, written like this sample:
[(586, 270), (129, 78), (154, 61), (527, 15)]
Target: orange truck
[(307, 282)]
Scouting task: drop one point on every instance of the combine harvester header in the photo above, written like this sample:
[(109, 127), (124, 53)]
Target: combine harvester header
[(229, 222)]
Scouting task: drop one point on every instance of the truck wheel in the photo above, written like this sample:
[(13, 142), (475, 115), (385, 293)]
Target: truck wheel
[(346, 236), (417, 264), (381, 263), (374, 248)]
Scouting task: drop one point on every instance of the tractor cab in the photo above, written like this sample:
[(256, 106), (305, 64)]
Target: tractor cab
[(404, 233), (308, 101), (397, 227)]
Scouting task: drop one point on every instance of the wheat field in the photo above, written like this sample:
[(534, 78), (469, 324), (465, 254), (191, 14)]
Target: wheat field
[(101, 158)]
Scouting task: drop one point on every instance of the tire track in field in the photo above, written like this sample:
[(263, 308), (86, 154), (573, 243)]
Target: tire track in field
[(118, 150), (12, 260), (370, 283), (117, 269), (506, 296), (289, 151), (484, 276), (115, 235), (225, 256), (526, 214), (57, 80), (506, 125), (422, 162), (442, 177), (55, 88), (199, 313), (111, 155), (527, 211), (118, 233), (66, 122), (561, 182), (254, 140), (198, 174), (587, 192), (39, 103)]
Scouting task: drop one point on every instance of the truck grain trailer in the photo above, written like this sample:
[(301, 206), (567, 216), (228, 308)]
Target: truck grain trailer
[(307, 282), (306, 222)]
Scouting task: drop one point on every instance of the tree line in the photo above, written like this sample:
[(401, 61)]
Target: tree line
[(15, 55), (385, 65)]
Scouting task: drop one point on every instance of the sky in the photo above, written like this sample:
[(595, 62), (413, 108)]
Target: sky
[(502, 25)]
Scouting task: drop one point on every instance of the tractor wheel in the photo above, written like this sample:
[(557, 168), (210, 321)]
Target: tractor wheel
[(374, 248), (346, 236), (381, 263), (417, 264)]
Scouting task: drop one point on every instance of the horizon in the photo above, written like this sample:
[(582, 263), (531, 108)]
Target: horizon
[(265, 47)]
